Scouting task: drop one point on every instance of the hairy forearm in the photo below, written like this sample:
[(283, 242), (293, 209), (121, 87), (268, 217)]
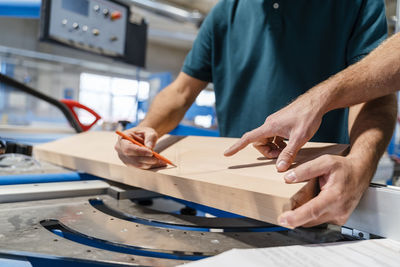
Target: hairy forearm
[(370, 134), (378, 74)]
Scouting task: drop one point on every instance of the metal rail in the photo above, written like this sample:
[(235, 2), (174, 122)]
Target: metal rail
[(170, 11)]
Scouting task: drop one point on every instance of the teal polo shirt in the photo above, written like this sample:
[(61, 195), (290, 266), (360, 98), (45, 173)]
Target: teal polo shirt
[(262, 54)]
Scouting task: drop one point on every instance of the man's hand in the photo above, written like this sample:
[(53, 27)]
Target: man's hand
[(140, 157), (342, 184), (297, 122)]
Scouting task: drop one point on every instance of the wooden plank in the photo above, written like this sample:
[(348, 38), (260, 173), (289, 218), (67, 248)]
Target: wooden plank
[(246, 183)]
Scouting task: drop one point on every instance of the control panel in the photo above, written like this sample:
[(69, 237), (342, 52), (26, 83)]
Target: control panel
[(99, 26)]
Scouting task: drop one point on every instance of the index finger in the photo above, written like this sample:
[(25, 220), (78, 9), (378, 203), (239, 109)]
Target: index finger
[(129, 149), (247, 138), (134, 134)]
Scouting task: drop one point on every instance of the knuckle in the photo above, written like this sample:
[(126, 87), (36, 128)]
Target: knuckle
[(340, 199), (141, 160), (341, 219), (125, 150), (140, 153), (329, 159), (145, 166), (152, 134), (291, 221), (325, 157), (314, 213), (287, 153), (149, 131), (133, 164), (299, 138), (270, 120), (150, 160), (246, 137), (116, 146)]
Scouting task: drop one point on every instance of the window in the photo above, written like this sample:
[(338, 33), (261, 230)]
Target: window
[(113, 98)]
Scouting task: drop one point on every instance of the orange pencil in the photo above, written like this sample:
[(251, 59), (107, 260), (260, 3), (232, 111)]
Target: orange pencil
[(155, 154)]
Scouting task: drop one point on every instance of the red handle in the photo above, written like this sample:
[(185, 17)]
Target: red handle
[(72, 104)]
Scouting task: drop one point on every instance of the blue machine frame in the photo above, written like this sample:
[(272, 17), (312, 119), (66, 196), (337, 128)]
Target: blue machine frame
[(20, 8)]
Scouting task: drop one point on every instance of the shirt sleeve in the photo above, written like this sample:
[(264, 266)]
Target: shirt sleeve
[(198, 62), (369, 30)]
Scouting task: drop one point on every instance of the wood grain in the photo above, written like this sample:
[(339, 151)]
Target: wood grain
[(246, 183)]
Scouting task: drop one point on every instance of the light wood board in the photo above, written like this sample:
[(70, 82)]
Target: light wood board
[(246, 183)]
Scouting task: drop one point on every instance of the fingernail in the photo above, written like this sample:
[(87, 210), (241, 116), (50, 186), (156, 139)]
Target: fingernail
[(283, 221), (290, 177), (282, 164), (226, 151)]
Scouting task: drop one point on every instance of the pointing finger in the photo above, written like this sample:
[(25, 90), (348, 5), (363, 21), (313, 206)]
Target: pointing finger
[(129, 149), (246, 139)]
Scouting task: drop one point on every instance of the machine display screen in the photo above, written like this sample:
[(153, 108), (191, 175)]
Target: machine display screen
[(77, 6)]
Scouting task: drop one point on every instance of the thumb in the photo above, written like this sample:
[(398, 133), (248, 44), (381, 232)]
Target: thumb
[(288, 154), (150, 138)]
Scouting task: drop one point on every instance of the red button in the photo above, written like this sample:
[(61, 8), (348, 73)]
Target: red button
[(116, 15)]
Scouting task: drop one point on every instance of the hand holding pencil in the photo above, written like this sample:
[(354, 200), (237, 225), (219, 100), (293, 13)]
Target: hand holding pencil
[(135, 148)]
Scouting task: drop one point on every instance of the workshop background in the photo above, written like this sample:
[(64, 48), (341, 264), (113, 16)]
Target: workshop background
[(123, 92), (120, 92)]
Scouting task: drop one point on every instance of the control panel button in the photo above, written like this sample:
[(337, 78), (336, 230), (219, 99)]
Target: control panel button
[(96, 8), (106, 12), (116, 15), (64, 22), (95, 32), (85, 28), (75, 25)]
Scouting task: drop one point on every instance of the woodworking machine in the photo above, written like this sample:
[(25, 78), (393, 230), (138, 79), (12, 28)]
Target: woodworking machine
[(92, 222), (53, 216)]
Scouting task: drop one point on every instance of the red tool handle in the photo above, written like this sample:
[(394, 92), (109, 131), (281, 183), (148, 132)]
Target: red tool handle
[(72, 104)]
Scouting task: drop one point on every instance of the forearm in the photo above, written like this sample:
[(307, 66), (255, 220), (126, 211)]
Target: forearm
[(370, 134), (378, 74), (166, 111), (171, 104)]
